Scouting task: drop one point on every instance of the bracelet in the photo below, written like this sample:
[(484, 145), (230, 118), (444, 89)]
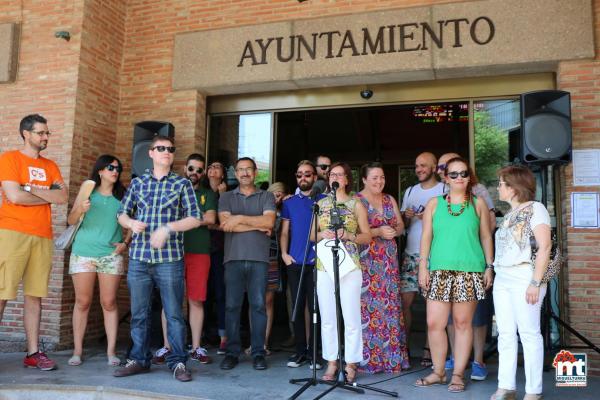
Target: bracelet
[(489, 266), (535, 283), (169, 230)]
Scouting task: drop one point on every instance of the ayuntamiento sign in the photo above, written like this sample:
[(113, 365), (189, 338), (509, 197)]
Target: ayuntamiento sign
[(435, 42)]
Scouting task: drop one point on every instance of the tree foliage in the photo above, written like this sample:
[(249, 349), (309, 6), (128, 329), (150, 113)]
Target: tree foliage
[(491, 148)]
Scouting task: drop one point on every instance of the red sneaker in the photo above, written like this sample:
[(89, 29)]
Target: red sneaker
[(39, 360), (201, 355)]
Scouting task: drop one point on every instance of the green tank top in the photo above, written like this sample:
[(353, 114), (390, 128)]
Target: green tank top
[(455, 245)]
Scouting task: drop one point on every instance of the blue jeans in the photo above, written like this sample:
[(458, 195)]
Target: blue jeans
[(169, 279), (251, 277)]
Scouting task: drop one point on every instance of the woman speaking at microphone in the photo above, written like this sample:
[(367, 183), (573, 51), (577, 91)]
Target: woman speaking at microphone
[(353, 230)]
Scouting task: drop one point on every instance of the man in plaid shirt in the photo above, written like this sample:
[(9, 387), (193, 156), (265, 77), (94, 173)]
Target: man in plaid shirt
[(158, 207)]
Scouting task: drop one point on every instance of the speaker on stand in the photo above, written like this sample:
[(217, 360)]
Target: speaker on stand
[(143, 132), (546, 140)]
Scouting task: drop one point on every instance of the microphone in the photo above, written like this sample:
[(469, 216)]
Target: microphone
[(316, 190), (334, 187)]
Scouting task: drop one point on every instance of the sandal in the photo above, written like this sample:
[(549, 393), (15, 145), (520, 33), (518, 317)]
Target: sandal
[(350, 373), (330, 372), (75, 361), (504, 394), (459, 387), (426, 361), (113, 361), (425, 382)]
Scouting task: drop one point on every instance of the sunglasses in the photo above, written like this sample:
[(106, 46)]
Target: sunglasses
[(198, 170), (161, 149), (111, 168), (305, 174), (324, 166), (441, 167), (456, 174)]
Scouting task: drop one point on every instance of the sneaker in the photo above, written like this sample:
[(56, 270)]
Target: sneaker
[(39, 360), (297, 360), (131, 368), (316, 365), (160, 357), (478, 371), (222, 348), (181, 373), (201, 355), (449, 363)]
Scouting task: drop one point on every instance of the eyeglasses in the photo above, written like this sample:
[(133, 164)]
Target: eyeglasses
[(305, 174), (456, 174), (324, 167), (211, 166), (441, 167), (335, 175), (242, 170), (42, 133), (198, 170), (111, 168), (500, 183), (161, 149)]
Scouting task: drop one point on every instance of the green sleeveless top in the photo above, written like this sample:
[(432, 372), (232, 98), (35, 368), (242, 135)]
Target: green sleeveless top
[(456, 245)]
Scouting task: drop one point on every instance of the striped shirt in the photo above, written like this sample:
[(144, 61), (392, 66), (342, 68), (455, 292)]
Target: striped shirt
[(157, 202)]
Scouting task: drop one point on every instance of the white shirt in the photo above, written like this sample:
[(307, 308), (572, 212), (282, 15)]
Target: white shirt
[(512, 237), (415, 197)]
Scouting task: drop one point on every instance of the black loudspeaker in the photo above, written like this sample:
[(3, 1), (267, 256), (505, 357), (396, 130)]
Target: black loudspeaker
[(546, 127), (143, 132)]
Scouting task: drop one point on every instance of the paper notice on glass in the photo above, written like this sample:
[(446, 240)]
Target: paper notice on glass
[(586, 167), (326, 257), (585, 208)]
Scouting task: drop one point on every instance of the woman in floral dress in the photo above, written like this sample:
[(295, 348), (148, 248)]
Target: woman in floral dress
[(384, 334)]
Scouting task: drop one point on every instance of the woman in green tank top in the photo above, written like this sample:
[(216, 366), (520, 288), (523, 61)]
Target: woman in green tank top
[(456, 248), (97, 254)]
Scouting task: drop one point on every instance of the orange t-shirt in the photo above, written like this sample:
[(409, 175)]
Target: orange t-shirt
[(40, 173)]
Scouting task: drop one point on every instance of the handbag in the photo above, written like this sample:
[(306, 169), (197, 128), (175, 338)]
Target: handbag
[(556, 258), (65, 240)]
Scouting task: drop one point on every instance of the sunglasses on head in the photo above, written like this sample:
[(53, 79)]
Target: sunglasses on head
[(441, 167), (456, 174), (324, 166), (111, 168), (192, 169), (305, 174), (160, 149)]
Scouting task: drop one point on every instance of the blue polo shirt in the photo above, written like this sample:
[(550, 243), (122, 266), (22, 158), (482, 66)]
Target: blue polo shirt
[(298, 210)]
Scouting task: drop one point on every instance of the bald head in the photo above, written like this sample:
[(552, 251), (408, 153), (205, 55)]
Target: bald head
[(444, 158), (425, 168)]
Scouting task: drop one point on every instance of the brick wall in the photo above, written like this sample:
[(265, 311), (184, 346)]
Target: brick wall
[(46, 84), (582, 278)]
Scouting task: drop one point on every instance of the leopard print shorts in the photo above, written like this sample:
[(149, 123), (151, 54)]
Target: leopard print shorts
[(455, 286)]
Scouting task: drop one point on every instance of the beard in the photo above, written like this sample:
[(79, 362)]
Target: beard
[(304, 186), (193, 178)]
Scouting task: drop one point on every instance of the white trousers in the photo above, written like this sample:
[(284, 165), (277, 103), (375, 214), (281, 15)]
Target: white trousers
[(514, 314), (350, 286)]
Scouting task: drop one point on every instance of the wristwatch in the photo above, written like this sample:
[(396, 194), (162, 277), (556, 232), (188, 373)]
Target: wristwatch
[(535, 283), (27, 187)]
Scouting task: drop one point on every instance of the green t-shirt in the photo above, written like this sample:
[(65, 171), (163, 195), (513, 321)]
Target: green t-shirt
[(99, 228), (197, 241), (456, 244)]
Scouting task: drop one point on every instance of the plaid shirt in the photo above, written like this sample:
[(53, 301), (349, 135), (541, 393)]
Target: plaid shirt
[(157, 202)]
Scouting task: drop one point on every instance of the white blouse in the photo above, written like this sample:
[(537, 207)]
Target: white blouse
[(512, 237)]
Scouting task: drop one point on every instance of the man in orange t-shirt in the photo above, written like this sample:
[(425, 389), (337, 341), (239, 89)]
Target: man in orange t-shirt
[(30, 183)]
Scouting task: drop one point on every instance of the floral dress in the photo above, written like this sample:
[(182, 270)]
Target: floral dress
[(384, 334)]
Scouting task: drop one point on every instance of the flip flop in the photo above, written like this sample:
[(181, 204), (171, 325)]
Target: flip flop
[(75, 361), (113, 361)]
